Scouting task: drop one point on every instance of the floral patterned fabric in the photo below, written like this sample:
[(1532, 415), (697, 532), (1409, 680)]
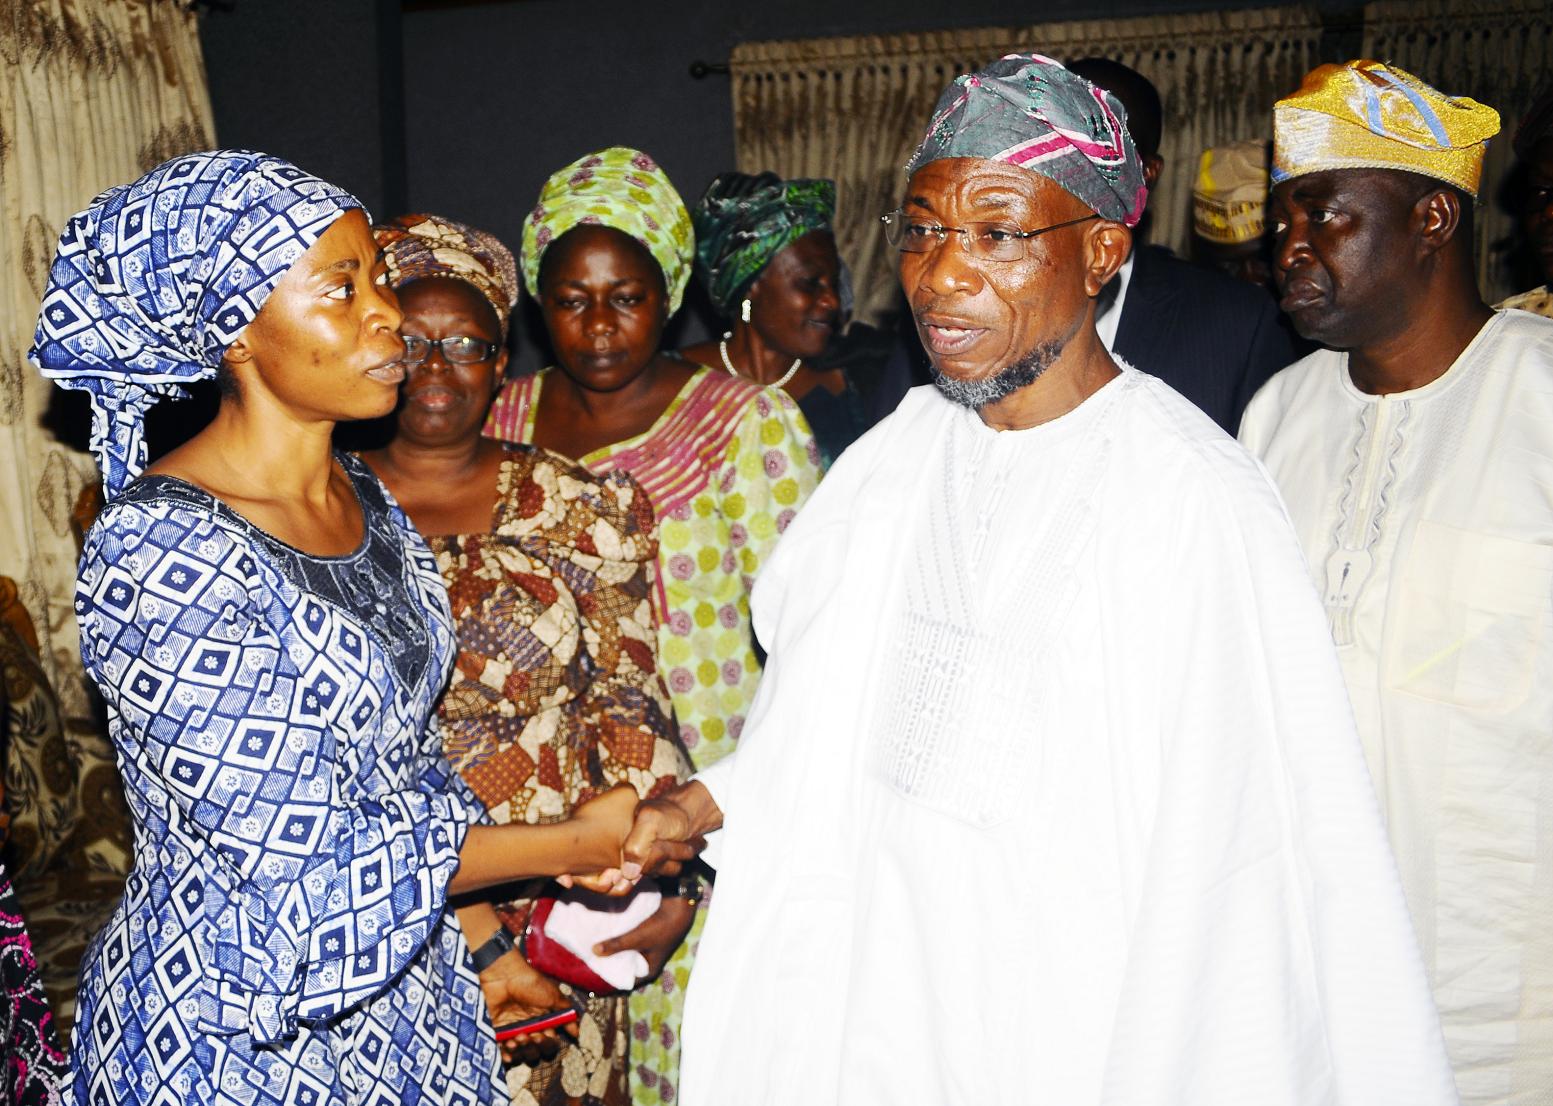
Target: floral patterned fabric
[(40, 774), (70, 881), (556, 694), (727, 465), (33, 1070), (1539, 301)]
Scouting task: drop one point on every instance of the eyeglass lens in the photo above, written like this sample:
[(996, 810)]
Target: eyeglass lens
[(459, 348)]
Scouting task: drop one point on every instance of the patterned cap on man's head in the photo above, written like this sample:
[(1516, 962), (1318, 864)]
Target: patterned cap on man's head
[(419, 246), (620, 188), (742, 222), (1030, 111), (153, 281), (1229, 200), (1368, 115)]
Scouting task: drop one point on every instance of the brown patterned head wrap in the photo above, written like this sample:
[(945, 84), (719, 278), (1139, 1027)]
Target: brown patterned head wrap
[(420, 246)]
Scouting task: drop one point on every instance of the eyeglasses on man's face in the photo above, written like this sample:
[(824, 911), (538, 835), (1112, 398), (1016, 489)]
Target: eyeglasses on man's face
[(458, 349), (983, 241)]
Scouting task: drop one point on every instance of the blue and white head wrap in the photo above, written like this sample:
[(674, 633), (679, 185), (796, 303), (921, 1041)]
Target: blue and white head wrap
[(153, 281)]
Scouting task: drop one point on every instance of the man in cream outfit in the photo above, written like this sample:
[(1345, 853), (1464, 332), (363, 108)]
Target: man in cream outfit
[(1415, 454)]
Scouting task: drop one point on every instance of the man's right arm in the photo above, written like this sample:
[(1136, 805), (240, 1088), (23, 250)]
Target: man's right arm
[(685, 815)]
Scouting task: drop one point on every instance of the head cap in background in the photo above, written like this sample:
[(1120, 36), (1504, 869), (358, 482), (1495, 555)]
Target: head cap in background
[(1229, 200)]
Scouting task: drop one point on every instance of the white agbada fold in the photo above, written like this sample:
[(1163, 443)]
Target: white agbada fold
[(1427, 519), (1138, 862)]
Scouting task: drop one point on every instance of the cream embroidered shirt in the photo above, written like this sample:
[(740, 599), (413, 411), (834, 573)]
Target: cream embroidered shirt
[(1427, 521)]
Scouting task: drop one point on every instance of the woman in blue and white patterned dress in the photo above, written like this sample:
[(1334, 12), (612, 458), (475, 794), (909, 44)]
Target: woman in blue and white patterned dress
[(270, 635)]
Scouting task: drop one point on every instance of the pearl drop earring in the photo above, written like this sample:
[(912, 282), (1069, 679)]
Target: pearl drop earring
[(744, 311)]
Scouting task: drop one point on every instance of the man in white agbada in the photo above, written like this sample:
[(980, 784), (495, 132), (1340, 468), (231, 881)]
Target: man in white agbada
[(1416, 457), (1051, 793)]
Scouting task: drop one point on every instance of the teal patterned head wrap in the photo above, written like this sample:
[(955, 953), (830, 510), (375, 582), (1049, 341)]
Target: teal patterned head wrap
[(743, 222)]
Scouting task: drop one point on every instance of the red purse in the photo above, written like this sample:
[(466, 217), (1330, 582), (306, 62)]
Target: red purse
[(553, 958), (602, 919)]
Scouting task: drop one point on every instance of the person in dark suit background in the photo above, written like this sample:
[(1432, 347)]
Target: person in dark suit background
[(1214, 339)]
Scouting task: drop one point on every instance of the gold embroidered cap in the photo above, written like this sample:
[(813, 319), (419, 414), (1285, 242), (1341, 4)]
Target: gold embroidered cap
[(1229, 200), (1368, 115)]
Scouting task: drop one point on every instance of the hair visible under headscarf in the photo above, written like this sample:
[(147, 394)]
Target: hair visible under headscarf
[(620, 188), (419, 246), (153, 281), (1028, 110), (742, 222)]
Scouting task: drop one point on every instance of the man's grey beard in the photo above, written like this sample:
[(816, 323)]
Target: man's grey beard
[(977, 394)]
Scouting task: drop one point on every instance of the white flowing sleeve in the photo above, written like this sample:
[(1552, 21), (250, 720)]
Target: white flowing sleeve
[(1271, 957)]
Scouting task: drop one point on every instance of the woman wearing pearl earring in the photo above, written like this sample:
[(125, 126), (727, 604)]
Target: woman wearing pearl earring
[(766, 255)]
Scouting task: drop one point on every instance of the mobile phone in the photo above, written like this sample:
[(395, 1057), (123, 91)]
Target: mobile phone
[(537, 1025)]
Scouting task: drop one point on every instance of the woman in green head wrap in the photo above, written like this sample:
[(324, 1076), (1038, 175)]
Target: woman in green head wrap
[(725, 464), (765, 251)]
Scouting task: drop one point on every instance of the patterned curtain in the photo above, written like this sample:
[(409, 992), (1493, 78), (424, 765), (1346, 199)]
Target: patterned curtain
[(1494, 51), (853, 108), (94, 92)]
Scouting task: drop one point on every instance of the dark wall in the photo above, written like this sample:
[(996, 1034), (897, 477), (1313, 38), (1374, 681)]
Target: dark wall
[(497, 94), (301, 79), (543, 81)]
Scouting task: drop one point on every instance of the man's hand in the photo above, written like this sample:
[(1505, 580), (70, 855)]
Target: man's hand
[(656, 938), (661, 839), (670, 830), (514, 991)]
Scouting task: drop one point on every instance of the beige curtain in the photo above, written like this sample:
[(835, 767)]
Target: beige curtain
[(1494, 51), (853, 108), (94, 93)]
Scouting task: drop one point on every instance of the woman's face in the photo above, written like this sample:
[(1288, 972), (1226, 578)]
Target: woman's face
[(795, 304), (604, 303), (445, 402), (325, 345)]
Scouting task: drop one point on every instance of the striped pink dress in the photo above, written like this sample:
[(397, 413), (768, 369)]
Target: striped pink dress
[(726, 466)]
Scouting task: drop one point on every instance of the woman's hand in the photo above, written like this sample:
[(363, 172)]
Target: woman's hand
[(600, 826), (514, 991), (588, 842), (656, 938)]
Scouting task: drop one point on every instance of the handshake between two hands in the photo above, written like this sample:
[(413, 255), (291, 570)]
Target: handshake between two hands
[(654, 837), (609, 844)]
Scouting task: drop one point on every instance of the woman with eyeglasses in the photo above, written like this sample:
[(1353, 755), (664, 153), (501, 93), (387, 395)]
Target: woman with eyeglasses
[(556, 695), (607, 252)]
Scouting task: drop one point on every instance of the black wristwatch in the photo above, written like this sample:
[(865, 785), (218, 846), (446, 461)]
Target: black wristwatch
[(688, 885), (497, 946)]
